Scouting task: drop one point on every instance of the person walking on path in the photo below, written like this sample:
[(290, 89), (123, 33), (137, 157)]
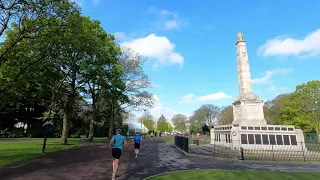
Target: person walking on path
[(137, 140), (116, 143)]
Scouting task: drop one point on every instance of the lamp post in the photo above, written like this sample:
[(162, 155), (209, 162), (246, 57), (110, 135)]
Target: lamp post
[(145, 116), (141, 125)]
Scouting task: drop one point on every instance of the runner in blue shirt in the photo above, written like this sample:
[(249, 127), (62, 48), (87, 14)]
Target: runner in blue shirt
[(137, 139), (116, 143)]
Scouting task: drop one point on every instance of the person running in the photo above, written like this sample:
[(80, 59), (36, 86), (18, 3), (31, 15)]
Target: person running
[(116, 143), (137, 139)]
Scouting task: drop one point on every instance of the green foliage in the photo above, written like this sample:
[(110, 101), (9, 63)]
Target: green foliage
[(16, 133), (162, 125), (179, 122), (53, 60), (170, 128), (226, 116), (302, 107), (206, 114), (272, 108), (148, 122)]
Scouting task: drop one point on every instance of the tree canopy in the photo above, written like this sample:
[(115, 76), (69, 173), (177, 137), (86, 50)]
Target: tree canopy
[(162, 125), (62, 74), (179, 121)]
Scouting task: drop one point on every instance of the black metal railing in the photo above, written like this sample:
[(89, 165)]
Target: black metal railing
[(302, 151), (182, 143)]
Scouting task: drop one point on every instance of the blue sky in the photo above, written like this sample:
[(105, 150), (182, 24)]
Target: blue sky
[(191, 50)]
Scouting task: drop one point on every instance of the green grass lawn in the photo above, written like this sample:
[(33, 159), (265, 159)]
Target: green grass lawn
[(167, 140), (239, 175), (14, 150)]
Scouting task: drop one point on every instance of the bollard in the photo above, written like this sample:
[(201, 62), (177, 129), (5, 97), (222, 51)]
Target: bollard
[(186, 142), (241, 154)]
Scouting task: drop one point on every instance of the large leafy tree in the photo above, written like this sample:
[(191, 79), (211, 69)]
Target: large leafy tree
[(302, 108), (206, 114), (136, 80), (179, 121), (30, 20), (162, 124), (26, 54), (209, 112), (170, 128), (99, 68), (53, 60), (226, 116), (148, 121), (272, 108)]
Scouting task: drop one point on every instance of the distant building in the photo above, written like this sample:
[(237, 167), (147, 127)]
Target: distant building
[(136, 127)]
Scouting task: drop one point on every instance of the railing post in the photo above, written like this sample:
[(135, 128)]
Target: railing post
[(272, 153), (304, 158), (241, 154)]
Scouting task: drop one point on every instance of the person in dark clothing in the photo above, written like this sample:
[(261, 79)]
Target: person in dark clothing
[(137, 140)]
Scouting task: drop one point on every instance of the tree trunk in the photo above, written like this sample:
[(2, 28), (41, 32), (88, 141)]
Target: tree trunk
[(64, 136), (111, 124), (318, 133), (91, 130), (94, 112), (68, 110)]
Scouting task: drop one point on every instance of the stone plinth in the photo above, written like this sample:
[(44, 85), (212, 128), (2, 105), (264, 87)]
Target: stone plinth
[(248, 113), (255, 137)]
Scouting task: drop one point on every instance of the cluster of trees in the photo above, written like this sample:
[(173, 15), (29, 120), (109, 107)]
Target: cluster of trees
[(62, 74), (161, 125), (300, 108)]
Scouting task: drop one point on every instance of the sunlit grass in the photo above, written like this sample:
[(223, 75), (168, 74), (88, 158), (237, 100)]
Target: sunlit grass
[(14, 150), (238, 175)]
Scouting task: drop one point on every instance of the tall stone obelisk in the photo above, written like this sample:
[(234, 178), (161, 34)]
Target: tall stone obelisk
[(247, 108)]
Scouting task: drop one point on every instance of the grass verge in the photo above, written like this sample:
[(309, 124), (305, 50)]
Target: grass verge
[(15, 150), (237, 174), (167, 140)]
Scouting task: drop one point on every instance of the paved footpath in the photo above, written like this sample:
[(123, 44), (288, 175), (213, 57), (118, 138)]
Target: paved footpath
[(93, 162)]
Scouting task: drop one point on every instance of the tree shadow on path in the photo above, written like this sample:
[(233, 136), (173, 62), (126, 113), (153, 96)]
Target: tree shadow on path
[(91, 161)]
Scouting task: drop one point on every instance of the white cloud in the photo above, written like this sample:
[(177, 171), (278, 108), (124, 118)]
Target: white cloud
[(285, 46), (159, 109), (158, 47), (189, 98), (268, 74), (167, 20), (155, 97)]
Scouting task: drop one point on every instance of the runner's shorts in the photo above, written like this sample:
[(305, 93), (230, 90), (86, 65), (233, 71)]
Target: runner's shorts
[(116, 153), (136, 145)]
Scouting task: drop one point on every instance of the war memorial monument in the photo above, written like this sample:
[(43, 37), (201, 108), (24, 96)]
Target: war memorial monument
[(249, 129)]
